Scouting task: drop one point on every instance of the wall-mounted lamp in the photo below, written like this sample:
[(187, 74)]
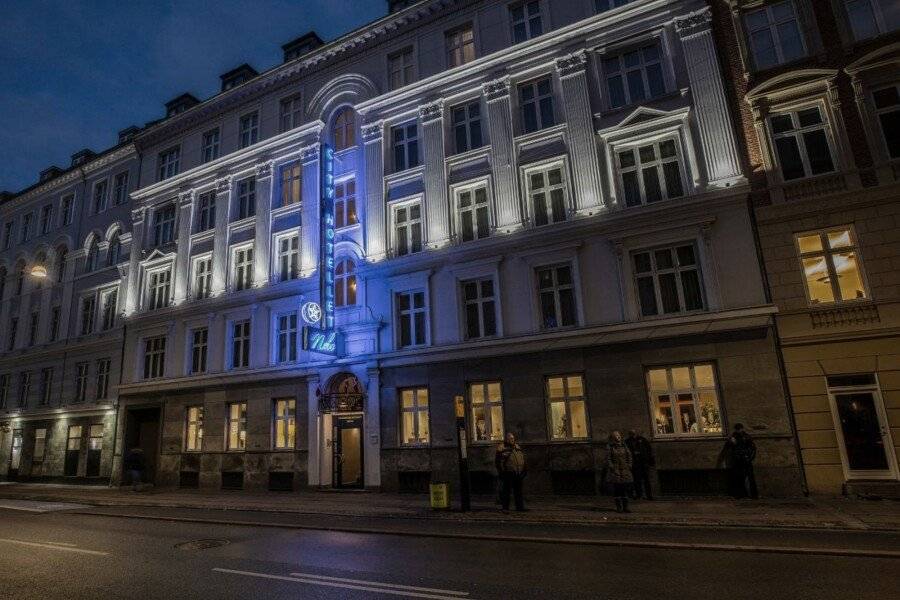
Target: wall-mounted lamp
[(39, 271)]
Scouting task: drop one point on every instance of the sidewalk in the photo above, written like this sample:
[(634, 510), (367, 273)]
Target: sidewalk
[(804, 513)]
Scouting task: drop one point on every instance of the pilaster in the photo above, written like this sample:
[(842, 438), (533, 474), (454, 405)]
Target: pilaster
[(138, 217), (309, 210), (503, 155), (182, 257), (220, 241), (313, 423), (372, 428), (437, 217), (262, 259), (375, 242)]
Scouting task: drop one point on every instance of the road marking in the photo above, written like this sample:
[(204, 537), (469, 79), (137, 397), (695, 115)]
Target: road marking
[(59, 543), (39, 507), (54, 546), (388, 585), (336, 584)]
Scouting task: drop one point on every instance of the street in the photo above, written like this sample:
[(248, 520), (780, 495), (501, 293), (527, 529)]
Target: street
[(66, 553)]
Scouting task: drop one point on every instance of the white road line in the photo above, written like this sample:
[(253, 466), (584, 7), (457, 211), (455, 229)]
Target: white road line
[(387, 585), (39, 507), (54, 547), (60, 544), (347, 586)]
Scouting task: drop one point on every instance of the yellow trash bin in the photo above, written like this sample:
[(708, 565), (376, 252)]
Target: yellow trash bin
[(440, 496)]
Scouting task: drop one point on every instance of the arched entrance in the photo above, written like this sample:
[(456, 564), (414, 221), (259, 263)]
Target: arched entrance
[(344, 399)]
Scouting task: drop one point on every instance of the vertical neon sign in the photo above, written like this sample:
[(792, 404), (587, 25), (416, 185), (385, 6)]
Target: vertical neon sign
[(326, 218)]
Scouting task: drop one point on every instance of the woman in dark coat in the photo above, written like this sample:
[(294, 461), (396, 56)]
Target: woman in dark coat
[(618, 470)]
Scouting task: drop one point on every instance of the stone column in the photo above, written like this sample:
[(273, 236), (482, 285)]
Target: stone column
[(373, 428), (135, 253), (375, 242), (580, 128), (508, 211), (710, 105), (309, 211), (182, 258), (437, 217), (220, 241), (262, 247)]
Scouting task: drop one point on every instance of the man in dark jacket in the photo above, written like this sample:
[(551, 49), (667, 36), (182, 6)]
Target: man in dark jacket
[(641, 461), (741, 451), (510, 463)]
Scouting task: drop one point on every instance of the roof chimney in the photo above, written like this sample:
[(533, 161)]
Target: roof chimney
[(237, 76), (180, 104), (82, 156), (49, 173), (302, 45), (129, 132)]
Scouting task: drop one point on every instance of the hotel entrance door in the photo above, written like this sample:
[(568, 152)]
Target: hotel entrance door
[(346, 445)]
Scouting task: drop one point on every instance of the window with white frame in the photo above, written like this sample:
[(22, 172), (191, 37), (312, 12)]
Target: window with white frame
[(525, 21), (345, 204), (465, 120), (345, 283), (290, 183), (556, 294), (249, 129), (343, 131), (400, 68), (407, 228), (486, 406), (287, 338), (154, 357), (870, 18), (405, 144), (547, 190), (40, 445), (242, 268), (831, 266), (414, 417), (167, 163), (473, 212), (567, 406), (246, 207), (536, 104), (199, 350), (103, 366), (81, 381), (109, 300), (774, 34), (120, 188), (412, 318), (88, 309), (164, 224), (802, 143), (887, 111), (67, 208), (193, 429), (288, 257), (240, 344), (202, 277), (159, 287), (479, 306), (634, 76), (460, 45), (236, 426), (210, 146), (99, 197), (650, 172), (206, 211), (46, 218), (291, 113), (46, 386), (668, 280), (284, 423), (684, 401)]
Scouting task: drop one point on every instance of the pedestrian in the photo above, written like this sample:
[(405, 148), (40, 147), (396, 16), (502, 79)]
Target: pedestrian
[(741, 452), (618, 470), (641, 461), (510, 463), (134, 464)]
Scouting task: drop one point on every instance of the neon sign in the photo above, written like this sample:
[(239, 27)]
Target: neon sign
[(311, 312)]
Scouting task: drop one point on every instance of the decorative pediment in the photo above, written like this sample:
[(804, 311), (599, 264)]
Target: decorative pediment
[(882, 57), (792, 83), (154, 255), (642, 114)]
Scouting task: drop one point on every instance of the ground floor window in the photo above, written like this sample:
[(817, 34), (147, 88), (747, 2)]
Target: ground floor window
[(568, 408), (684, 400), (486, 402), (40, 445), (414, 426), (193, 439), (285, 430), (236, 427)]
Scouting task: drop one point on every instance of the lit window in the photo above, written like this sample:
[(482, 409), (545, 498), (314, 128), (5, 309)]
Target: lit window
[(288, 257), (414, 426), (634, 76), (240, 344), (206, 211), (460, 46), (774, 34), (536, 104), (802, 143), (159, 286), (88, 308), (242, 274), (480, 311), (246, 198), (236, 426), (81, 380), (466, 122), (103, 378), (167, 163), (193, 438), (568, 407), (291, 112), (668, 280), (412, 316), (202, 270), (525, 21), (831, 266), (287, 337), (869, 18), (211, 145), (199, 350), (407, 229), (343, 132), (154, 357), (249, 129), (285, 424), (486, 404), (164, 225), (887, 109), (345, 283), (650, 173), (400, 68), (684, 401), (345, 204), (290, 184), (547, 194), (405, 143), (556, 293), (40, 445)]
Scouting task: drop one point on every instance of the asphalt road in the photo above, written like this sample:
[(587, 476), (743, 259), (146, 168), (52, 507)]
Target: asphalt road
[(70, 555)]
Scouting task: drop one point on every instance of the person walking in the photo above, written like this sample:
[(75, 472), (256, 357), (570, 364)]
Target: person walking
[(618, 470), (510, 463), (741, 451), (641, 461), (134, 464)]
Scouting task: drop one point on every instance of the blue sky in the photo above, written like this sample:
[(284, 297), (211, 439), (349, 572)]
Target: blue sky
[(72, 74)]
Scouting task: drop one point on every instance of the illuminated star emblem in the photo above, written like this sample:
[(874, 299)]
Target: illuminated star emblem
[(311, 312)]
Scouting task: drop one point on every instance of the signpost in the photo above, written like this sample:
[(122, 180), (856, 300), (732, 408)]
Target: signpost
[(462, 454)]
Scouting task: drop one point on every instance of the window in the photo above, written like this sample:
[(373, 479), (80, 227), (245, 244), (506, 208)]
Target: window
[(246, 198), (831, 266), (27, 225), (287, 337), (345, 204), (414, 426), (411, 319), (202, 270), (159, 287), (869, 18), (801, 143), (103, 378), (46, 385), (88, 309), (236, 426), (400, 69), (20, 279), (405, 141), (684, 401), (54, 324), (568, 408), (99, 197), (93, 257), (154, 357), (13, 332), (290, 184), (24, 388), (556, 293), (210, 147), (199, 350), (249, 129), (108, 304), (46, 219), (466, 122), (8, 233), (473, 213), (61, 255), (774, 34), (345, 283), (240, 344), (288, 257), (73, 442), (525, 21), (407, 229), (460, 46), (536, 104), (486, 404), (120, 188), (547, 194), (634, 76), (114, 251), (479, 306), (68, 205), (243, 268), (193, 438), (343, 132), (33, 329), (164, 225), (167, 163), (291, 113), (285, 424), (4, 389), (206, 211), (887, 109), (81, 379), (40, 445), (650, 173), (668, 280)]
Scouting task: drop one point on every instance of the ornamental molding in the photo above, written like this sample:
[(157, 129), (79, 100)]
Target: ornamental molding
[(694, 24), (431, 112), (310, 153), (223, 184), (137, 215), (572, 64), (186, 198), (498, 89), (373, 132), (264, 169)]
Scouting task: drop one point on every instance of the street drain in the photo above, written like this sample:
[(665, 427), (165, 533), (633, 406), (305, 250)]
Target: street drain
[(200, 544)]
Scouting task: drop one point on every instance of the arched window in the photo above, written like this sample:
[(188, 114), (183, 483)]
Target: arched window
[(61, 253), (20, 278), (344, 130), (345, 283), (90, 263), (114, 253)]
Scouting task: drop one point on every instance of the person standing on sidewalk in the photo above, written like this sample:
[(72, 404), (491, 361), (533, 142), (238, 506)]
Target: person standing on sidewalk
[(641, 461), (134, 464), (618, 470), (741, 450), (510, 463)]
